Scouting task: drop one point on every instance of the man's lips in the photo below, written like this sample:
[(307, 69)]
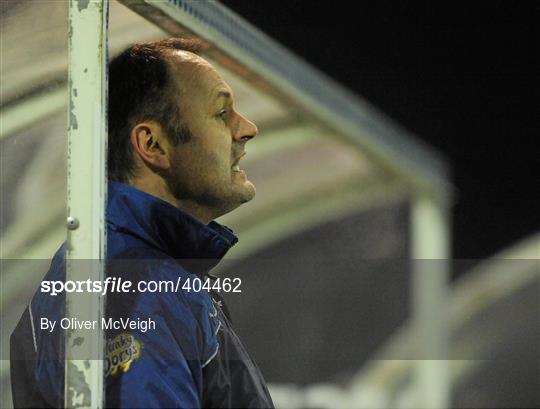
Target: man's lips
[(234, 165)]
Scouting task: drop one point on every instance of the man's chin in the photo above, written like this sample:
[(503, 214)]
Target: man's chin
[(237, 197), (248, 192)]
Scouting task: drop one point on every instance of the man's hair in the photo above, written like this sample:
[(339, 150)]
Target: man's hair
[(141, 89)]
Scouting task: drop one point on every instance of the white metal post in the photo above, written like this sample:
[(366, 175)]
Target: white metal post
[(430, 263), (86, 196)]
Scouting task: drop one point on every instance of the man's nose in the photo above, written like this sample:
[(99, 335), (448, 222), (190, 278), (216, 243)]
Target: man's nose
[(246, 130)]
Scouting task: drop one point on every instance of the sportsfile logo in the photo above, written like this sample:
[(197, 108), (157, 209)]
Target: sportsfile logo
[(120, 285)]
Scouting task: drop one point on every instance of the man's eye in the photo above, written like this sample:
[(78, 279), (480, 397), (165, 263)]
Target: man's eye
[(222, 114)]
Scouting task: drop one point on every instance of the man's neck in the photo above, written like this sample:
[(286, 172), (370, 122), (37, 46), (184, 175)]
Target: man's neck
[(159, 189)]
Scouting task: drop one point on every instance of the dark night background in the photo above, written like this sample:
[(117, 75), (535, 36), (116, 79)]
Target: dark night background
[(461, 77)]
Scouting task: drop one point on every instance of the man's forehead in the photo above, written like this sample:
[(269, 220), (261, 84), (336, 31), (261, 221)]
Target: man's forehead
[(193, 69), (180, 56)]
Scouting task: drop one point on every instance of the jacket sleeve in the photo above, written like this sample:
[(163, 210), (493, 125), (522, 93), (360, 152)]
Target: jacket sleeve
[(159, 363)]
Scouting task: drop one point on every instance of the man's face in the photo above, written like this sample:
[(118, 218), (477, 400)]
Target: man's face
[(205, 169)]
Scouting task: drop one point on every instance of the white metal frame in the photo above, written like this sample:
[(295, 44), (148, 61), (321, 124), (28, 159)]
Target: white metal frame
[(244, 49), (86, 198), (258, 59), (430, 252)]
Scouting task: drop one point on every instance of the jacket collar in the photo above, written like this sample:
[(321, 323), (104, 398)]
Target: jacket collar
[(167, 228)]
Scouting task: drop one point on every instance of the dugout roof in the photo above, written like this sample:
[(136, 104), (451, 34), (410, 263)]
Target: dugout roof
[(334, 150)]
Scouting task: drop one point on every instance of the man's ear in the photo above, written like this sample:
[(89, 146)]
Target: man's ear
[(150, 143)]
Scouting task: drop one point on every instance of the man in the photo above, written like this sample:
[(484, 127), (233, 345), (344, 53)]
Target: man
[(175, 142)]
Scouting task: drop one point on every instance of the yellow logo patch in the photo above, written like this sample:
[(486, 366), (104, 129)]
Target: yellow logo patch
[(121, 352)]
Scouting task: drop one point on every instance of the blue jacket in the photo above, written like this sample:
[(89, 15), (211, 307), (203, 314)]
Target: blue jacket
[(189, 357)]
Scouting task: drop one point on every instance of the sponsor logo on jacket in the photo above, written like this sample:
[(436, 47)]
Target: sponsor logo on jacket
[(121, 352)]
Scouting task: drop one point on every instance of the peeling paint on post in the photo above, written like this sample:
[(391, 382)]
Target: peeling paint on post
[(86, 198), (82, 5), (78, 393)]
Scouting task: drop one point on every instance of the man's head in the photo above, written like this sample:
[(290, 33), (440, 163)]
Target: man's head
[(174, 131)]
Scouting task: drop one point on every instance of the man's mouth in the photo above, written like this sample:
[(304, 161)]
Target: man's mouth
[(235, 167)]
